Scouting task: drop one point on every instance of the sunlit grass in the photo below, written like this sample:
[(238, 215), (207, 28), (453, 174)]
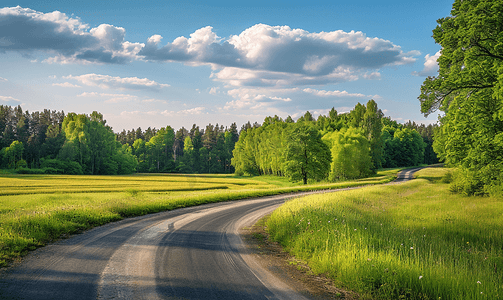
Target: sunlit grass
[(409, 241), (37, 209)]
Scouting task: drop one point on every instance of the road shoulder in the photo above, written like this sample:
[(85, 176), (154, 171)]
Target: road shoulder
[(297, 274)]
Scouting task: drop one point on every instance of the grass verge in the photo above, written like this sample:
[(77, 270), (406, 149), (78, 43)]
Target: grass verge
[(414, 240)]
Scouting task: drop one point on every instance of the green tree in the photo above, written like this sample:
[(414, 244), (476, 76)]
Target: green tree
[(306, 155), (372, 126), (14, 154), (243, 158), (160, 150), (186, 164), (355, 118), (351, 156), (469, 89), (139, 150)]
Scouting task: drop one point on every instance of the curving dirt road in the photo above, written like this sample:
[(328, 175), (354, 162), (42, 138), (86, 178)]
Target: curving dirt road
[(189, 253)]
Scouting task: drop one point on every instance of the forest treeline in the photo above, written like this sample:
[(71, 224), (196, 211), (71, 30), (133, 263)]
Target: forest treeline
[(335, 146)]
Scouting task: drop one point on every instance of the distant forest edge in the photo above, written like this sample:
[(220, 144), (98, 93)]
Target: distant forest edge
[(334, 147)]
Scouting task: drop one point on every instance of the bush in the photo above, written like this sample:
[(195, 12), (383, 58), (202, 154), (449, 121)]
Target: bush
[(62, 167), (468, 182), (487, 180), (53, 171), (73, 168), (447, 178), (24, 170)]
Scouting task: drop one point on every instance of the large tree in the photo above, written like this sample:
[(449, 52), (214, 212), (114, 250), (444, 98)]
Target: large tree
[(372, 126), (351, 154), (306, 155), (469, 89)]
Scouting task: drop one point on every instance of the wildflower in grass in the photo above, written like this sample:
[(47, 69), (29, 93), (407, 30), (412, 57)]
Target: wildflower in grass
[(355, 229), (479, 282), (420, 277), (411, 248)]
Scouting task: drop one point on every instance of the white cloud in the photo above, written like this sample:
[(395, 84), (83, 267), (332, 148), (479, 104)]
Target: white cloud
[(66, 84), (89, 94), (336, 93), (9, 99), (111, 98), (264, 55), (214, 90), (110, 82), (186, 112), (255, 99), (25, 30), (3, 79), (372, 75), (430, 65), (154, 101), (168, 113), (130, 113)]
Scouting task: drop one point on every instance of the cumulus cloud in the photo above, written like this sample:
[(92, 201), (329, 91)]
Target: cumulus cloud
[(430, 65), (264, 55), (110, 82), (3, 79), (70, 39), (66, 84)]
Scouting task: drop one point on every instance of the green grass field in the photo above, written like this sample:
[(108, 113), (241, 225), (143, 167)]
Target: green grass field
[(38, 209), (414, 240)]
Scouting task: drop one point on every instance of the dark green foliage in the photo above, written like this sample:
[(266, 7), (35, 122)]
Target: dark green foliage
[(56, 166), (30, 171), (402, 147), (306, 155), (469, 89)]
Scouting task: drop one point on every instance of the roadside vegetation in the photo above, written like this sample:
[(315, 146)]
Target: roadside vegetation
[(38, 209), (415, 240)]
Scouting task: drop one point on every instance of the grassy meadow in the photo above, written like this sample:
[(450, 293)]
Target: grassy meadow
[(38, 209), (414, 240)]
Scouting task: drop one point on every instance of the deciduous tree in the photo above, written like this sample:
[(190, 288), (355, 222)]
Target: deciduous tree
[(469, 89)]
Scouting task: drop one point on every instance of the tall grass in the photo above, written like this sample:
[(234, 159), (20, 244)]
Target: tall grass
[(410, 241), (38, 209)]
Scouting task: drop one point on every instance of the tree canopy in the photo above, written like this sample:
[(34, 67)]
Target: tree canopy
[(469, 89)]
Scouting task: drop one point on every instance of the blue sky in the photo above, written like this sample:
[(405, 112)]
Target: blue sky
[(158, 63)]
